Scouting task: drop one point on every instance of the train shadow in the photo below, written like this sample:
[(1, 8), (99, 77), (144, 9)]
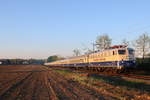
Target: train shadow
[(119, 81)]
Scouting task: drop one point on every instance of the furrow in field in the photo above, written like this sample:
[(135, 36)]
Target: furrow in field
[(71, 88), (8, 90)]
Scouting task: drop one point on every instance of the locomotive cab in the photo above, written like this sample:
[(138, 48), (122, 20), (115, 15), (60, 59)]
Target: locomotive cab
[(126, 57)]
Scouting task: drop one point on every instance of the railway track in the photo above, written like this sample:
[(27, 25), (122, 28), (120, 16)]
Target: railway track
[(129, 75), (137, 76)]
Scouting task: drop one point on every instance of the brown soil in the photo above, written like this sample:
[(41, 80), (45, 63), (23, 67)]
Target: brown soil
[(36, 82)]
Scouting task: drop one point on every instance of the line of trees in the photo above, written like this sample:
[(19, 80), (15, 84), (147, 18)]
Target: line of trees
[(21, 61), (141, 44)]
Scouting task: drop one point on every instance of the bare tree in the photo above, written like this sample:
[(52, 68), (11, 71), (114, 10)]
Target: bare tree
[(103, 42), (86, 50), (125, 42), (76, 52), (142, 45)]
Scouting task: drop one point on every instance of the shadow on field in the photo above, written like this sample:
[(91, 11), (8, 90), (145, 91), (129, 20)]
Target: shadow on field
[(118, 81)]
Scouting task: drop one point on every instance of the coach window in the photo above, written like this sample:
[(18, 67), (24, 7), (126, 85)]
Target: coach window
[(121, 52), (113, 52)]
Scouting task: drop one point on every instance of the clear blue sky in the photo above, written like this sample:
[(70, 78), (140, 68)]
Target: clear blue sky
[(39, 28)]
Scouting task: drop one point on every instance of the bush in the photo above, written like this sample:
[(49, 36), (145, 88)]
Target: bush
[(143, 64)]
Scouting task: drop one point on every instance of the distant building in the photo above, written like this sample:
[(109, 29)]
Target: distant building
[(25, 62)]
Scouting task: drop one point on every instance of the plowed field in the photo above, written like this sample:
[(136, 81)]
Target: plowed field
[(37, 82)]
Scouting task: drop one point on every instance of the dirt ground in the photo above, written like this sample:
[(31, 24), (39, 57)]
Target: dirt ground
[(37, 82)]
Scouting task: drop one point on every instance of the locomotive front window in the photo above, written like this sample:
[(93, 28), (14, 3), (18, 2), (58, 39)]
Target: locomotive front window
[(121, 52)]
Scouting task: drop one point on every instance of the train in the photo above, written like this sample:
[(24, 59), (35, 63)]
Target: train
[(114, 57)]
